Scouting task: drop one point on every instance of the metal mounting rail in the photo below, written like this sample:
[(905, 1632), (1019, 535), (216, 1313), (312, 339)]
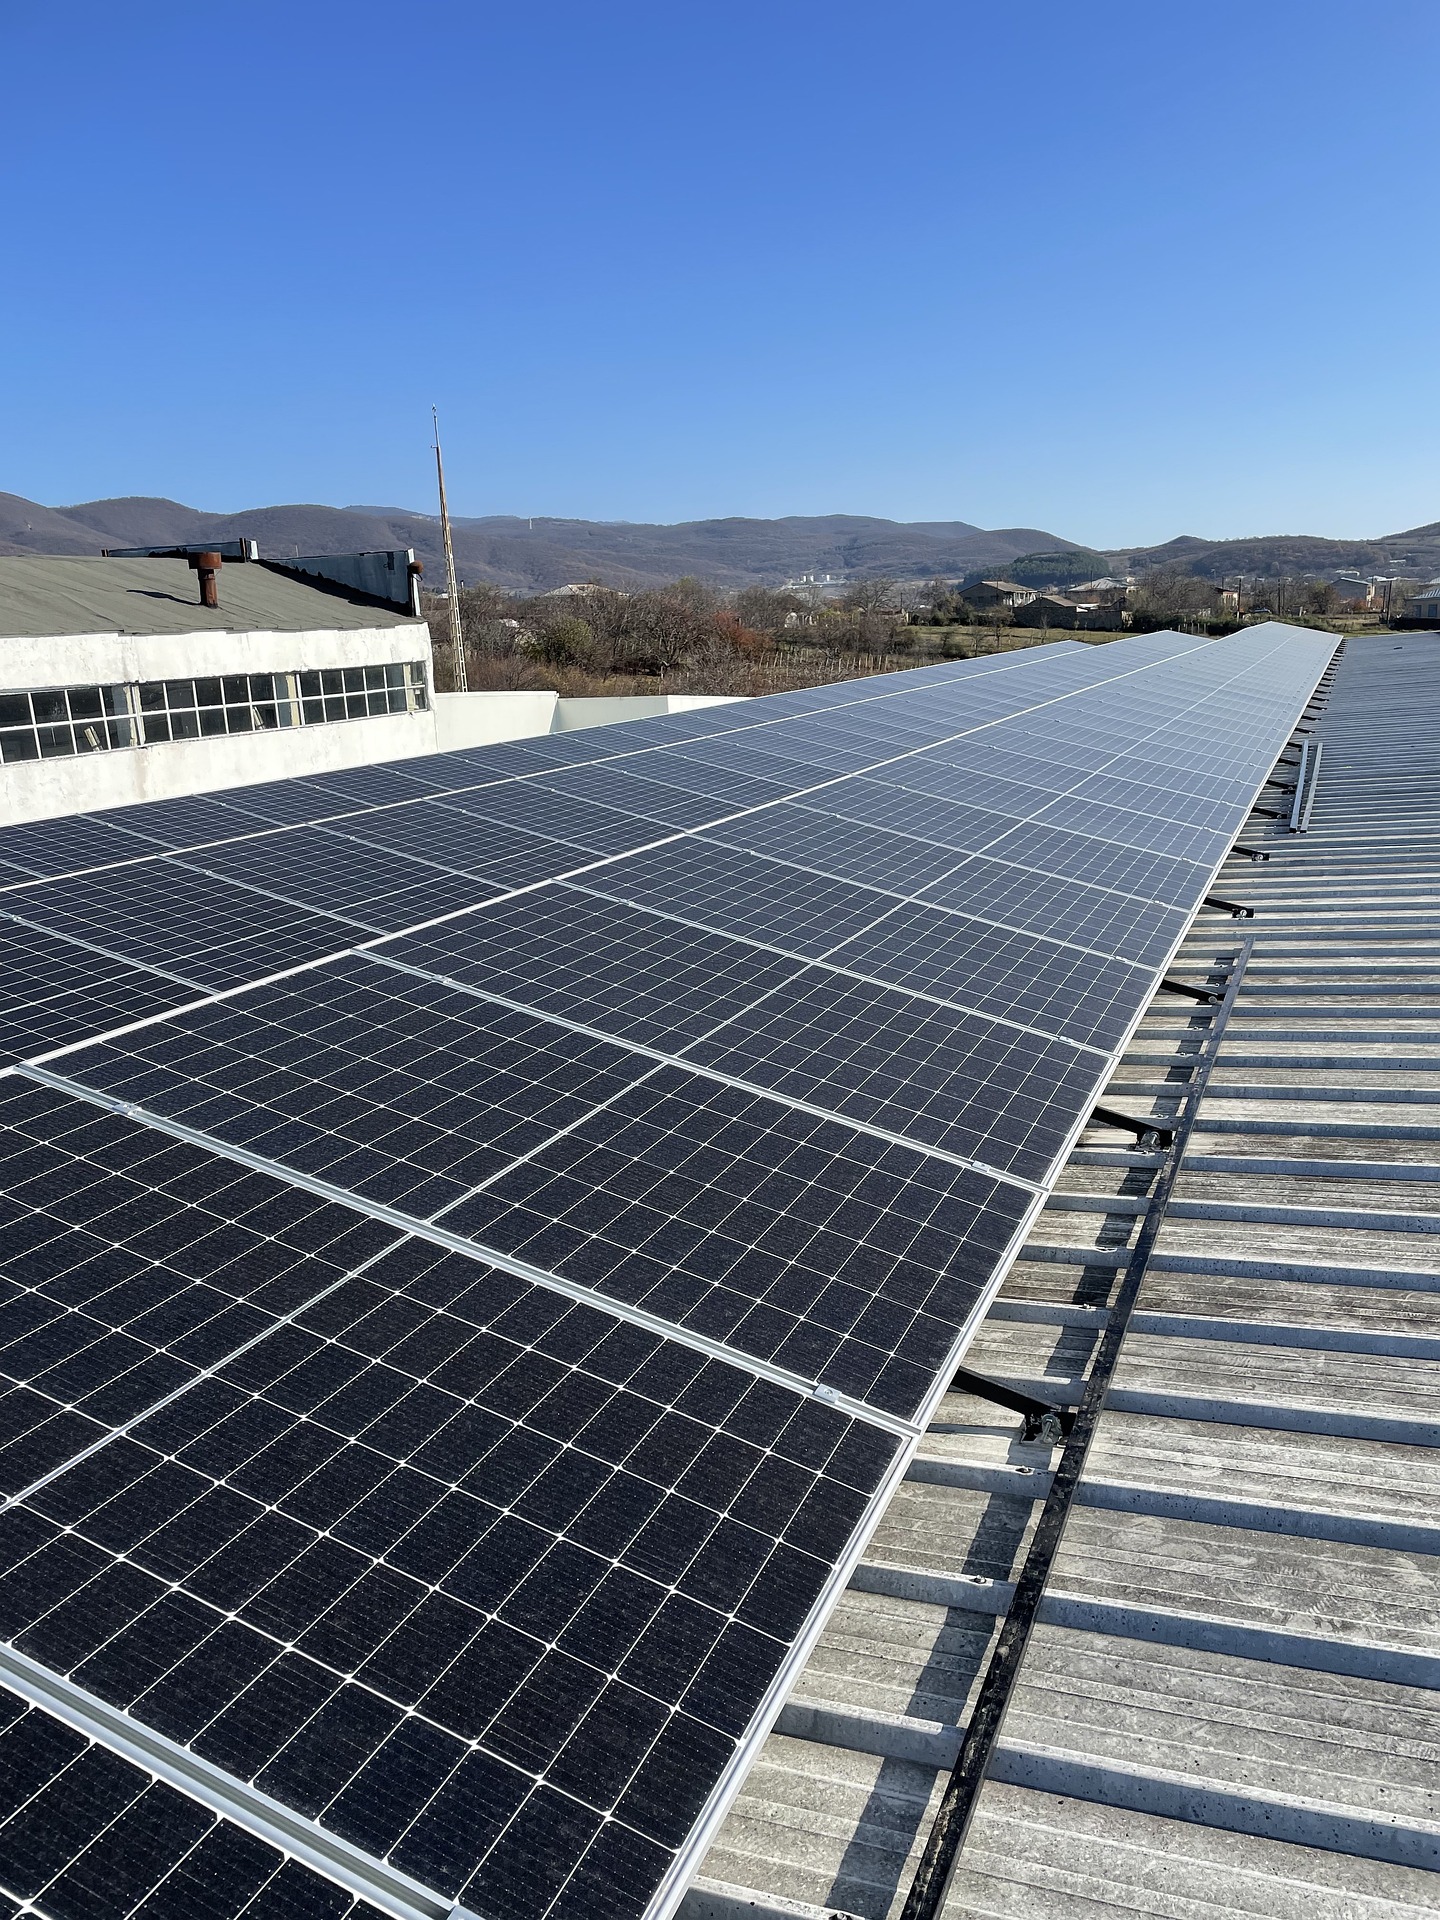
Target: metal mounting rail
[(1251, 853), (1304, 826), (1299, 799), (1043, 1420), (937, 1866)]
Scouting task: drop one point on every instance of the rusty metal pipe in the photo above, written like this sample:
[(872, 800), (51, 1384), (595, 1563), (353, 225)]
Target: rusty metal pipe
[(206, 565)]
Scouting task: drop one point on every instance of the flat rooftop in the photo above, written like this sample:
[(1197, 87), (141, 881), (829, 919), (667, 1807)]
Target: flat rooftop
[(44, 594)]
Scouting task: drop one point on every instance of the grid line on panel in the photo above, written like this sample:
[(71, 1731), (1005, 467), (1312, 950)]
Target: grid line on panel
[(689, 1065), (131, 1268), (459, 1243), (922, 897), (209, 1372), (105, 953), (829, 964), (795, 1237)]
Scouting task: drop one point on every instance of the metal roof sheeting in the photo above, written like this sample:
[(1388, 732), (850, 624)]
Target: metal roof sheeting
[(49, 594)]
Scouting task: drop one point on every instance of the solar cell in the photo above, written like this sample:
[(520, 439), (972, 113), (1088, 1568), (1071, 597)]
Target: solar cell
[(131, 1263), (500, 856), (1063, 991), (636, 975), (317, 867), (1156, 877), (929, 1074), (188, 821), (66, 845), (844, 849), (741, 893), (547, 809), (1105, 920)]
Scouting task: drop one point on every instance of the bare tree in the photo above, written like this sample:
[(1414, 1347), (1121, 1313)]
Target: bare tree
[(872, 595)]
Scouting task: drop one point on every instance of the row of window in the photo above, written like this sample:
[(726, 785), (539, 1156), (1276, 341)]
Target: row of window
[(62, 720)]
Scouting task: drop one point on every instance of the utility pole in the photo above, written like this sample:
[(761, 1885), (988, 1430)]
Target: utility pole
[(457, 638)]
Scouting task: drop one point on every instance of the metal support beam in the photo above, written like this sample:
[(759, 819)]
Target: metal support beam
[(1235, 908), (932, 1880), (1250, 853), (1149, 1133), (1207, 996), (1043, 1421)]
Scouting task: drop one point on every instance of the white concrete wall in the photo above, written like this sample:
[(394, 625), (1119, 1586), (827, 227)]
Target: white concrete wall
[(607, 713), (105, 659), (476, 719), (479, 719), (82, 783)]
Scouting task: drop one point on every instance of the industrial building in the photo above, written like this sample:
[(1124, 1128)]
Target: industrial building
[(118, 683)]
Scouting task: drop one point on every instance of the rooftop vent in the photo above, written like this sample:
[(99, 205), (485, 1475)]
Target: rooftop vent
[(207, 565)]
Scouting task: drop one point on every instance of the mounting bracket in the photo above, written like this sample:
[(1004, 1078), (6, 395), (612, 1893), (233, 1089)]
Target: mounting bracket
[(1253, 853), (1042, 1421), (1207, 996), (1235, 908), (1149, 1133)]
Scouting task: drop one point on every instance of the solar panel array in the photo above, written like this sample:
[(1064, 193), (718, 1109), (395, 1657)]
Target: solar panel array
[(483, 1235)]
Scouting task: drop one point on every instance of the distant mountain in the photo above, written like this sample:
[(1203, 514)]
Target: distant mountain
[(533, 555), (1415, 553), (529, 556)]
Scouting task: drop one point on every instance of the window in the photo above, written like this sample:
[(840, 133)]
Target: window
[(54, 721)]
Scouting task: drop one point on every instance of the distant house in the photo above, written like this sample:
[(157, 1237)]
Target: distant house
[(1425, 605), (1369, 594), (985, 594), (1064, 610)]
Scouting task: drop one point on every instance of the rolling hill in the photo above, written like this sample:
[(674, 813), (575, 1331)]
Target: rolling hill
[(530, 556)]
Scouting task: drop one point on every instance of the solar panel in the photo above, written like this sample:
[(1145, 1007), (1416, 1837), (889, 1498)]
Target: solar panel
[(445, 1387), (165, 915)]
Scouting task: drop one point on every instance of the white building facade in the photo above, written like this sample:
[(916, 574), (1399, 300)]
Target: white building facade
[(116, 686)]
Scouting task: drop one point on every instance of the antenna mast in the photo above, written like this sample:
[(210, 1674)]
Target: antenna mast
[(457, 639)]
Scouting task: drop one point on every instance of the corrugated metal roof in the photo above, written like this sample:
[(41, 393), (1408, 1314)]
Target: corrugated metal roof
[(46, 594)]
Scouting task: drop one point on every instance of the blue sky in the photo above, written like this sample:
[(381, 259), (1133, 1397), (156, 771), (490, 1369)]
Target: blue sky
[(1115, 269)]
